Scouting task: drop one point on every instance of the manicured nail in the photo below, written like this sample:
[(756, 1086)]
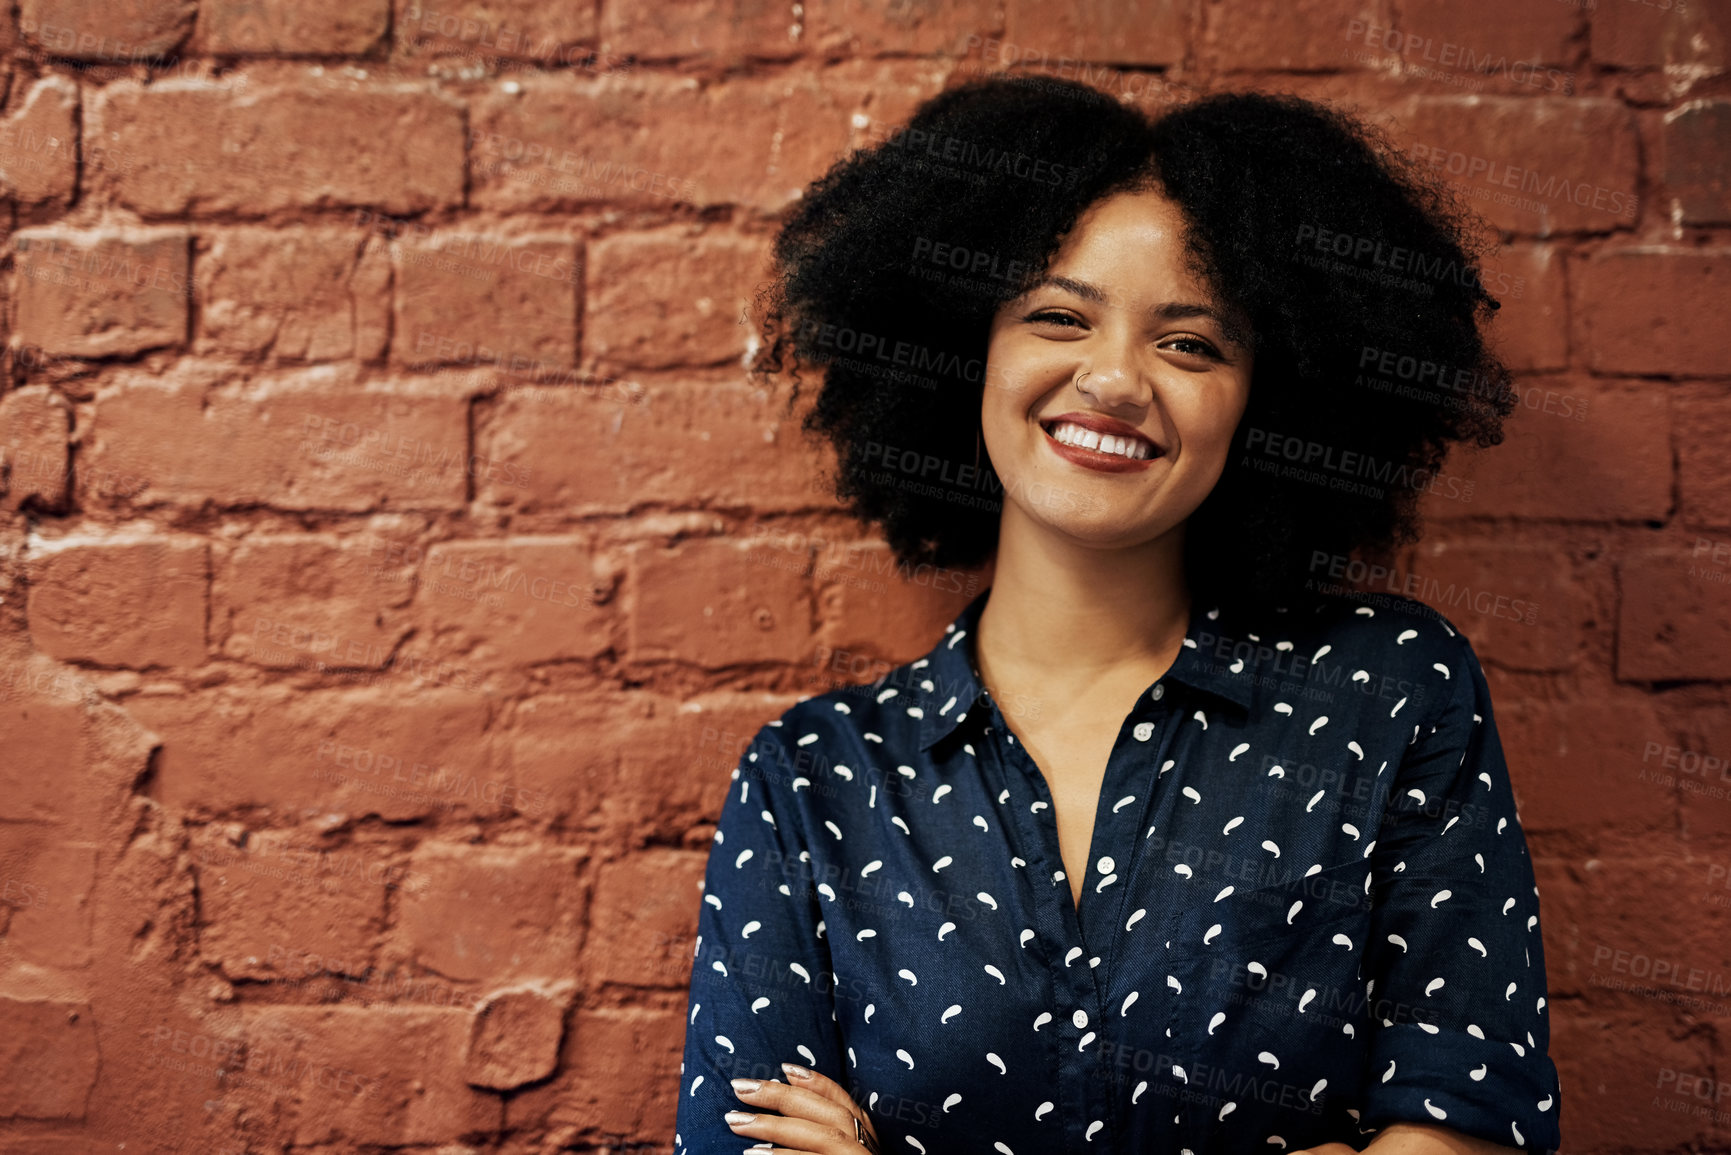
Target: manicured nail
[(739, 1118), (746, 1086), (794, 1071)]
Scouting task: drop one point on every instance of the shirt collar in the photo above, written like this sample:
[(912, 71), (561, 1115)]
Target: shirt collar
[(946, 688)]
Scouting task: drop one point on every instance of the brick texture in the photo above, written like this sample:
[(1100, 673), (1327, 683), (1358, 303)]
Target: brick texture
[(395, 558)]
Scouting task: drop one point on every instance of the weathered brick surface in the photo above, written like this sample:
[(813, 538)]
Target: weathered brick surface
[(105, 30), (99, 294), (292, 294), (457, 290), (1651, 309), (395, 559), (34, 424), (194, 147), (308, 440), (39, 143), (672, 298), (318, 27), (138, 602)]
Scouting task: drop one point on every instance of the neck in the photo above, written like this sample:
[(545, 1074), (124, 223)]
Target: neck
[(1068, 613)]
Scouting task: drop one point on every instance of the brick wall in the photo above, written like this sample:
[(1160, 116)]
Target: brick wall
[(394, 558)]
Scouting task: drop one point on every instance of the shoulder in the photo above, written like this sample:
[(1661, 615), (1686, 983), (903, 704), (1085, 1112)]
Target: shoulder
[(1386, 640), (880, 718)]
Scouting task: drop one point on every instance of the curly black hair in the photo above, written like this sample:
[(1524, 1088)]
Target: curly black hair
[(1357, 271)]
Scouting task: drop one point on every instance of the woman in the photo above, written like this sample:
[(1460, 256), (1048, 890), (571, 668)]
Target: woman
[(1162, 847)]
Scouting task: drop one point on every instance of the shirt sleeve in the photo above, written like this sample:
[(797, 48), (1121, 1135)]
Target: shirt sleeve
[(1454, 960), (762, 987)]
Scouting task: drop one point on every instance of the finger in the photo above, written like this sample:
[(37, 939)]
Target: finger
[(799, 1103), (800, 1135), (799, 1076)]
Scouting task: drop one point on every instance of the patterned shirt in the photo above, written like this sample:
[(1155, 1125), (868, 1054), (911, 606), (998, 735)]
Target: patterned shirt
[(1308, 910)]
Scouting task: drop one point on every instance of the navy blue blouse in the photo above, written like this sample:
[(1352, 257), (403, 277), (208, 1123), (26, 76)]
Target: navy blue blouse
[(1309, 909)]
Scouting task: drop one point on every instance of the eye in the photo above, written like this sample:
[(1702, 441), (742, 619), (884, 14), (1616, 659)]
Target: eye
[(1198, 347), (1046, 316)]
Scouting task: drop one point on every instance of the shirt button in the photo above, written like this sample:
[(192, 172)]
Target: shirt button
[(1143, 731), (1106, 865), (1159, 691), (1080, 1018)]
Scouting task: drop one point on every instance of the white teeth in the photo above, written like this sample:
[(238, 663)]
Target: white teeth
[(1072, 434)]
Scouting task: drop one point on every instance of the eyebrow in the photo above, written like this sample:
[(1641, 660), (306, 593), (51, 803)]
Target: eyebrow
[(1165, 310)]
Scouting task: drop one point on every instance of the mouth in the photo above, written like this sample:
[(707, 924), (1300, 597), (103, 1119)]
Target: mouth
[(1119, 446)]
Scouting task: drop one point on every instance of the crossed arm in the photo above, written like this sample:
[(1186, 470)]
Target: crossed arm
[(816, 1118)]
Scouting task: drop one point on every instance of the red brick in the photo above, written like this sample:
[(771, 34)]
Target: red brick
[(1703, 449), (403, 752), (121, 602), (1570, 164), (1286, 34), (735, 445), (495, 914), (268, 905), (35, 423), (1481, 37), (48, 1058), (870, 28), (39, 143), (312, 27), (676, 297), (515, 1038), (1519, 603), (313, 439), (43, 727), (1601, 453), (1530, 330), (643, 924), (1610, 1065), (309, 583), (119, 31), (505, 292), (514, 602), (1141, 32), (184, 147), (1697, 162), (48, 886), (730, 28), (1673, 618), (875, 609), (1689, 40), (352, 1076), (1652, 308), (716, 603), (545, 143), (292, 294), (597, 1095), (487, 30), (1700, 764), (100, 293)]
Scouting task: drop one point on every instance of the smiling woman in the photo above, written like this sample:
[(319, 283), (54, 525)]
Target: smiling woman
[(1158, 848)]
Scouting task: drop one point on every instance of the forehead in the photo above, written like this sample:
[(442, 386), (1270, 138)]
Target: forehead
[(1138, 235)]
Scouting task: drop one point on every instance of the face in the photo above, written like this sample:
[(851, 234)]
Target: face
[(1158, 371)]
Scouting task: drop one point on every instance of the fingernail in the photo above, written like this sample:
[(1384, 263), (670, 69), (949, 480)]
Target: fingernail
[(739, 1118), (746, 1086), (794, 1071)]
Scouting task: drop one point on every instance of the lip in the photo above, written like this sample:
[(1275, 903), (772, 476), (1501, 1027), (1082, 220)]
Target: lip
[(1093, 458)]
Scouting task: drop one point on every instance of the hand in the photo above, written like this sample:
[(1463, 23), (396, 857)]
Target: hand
[(817, 1116)]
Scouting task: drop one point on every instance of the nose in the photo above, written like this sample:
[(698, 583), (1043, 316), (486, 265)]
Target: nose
[(1115, 376)]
